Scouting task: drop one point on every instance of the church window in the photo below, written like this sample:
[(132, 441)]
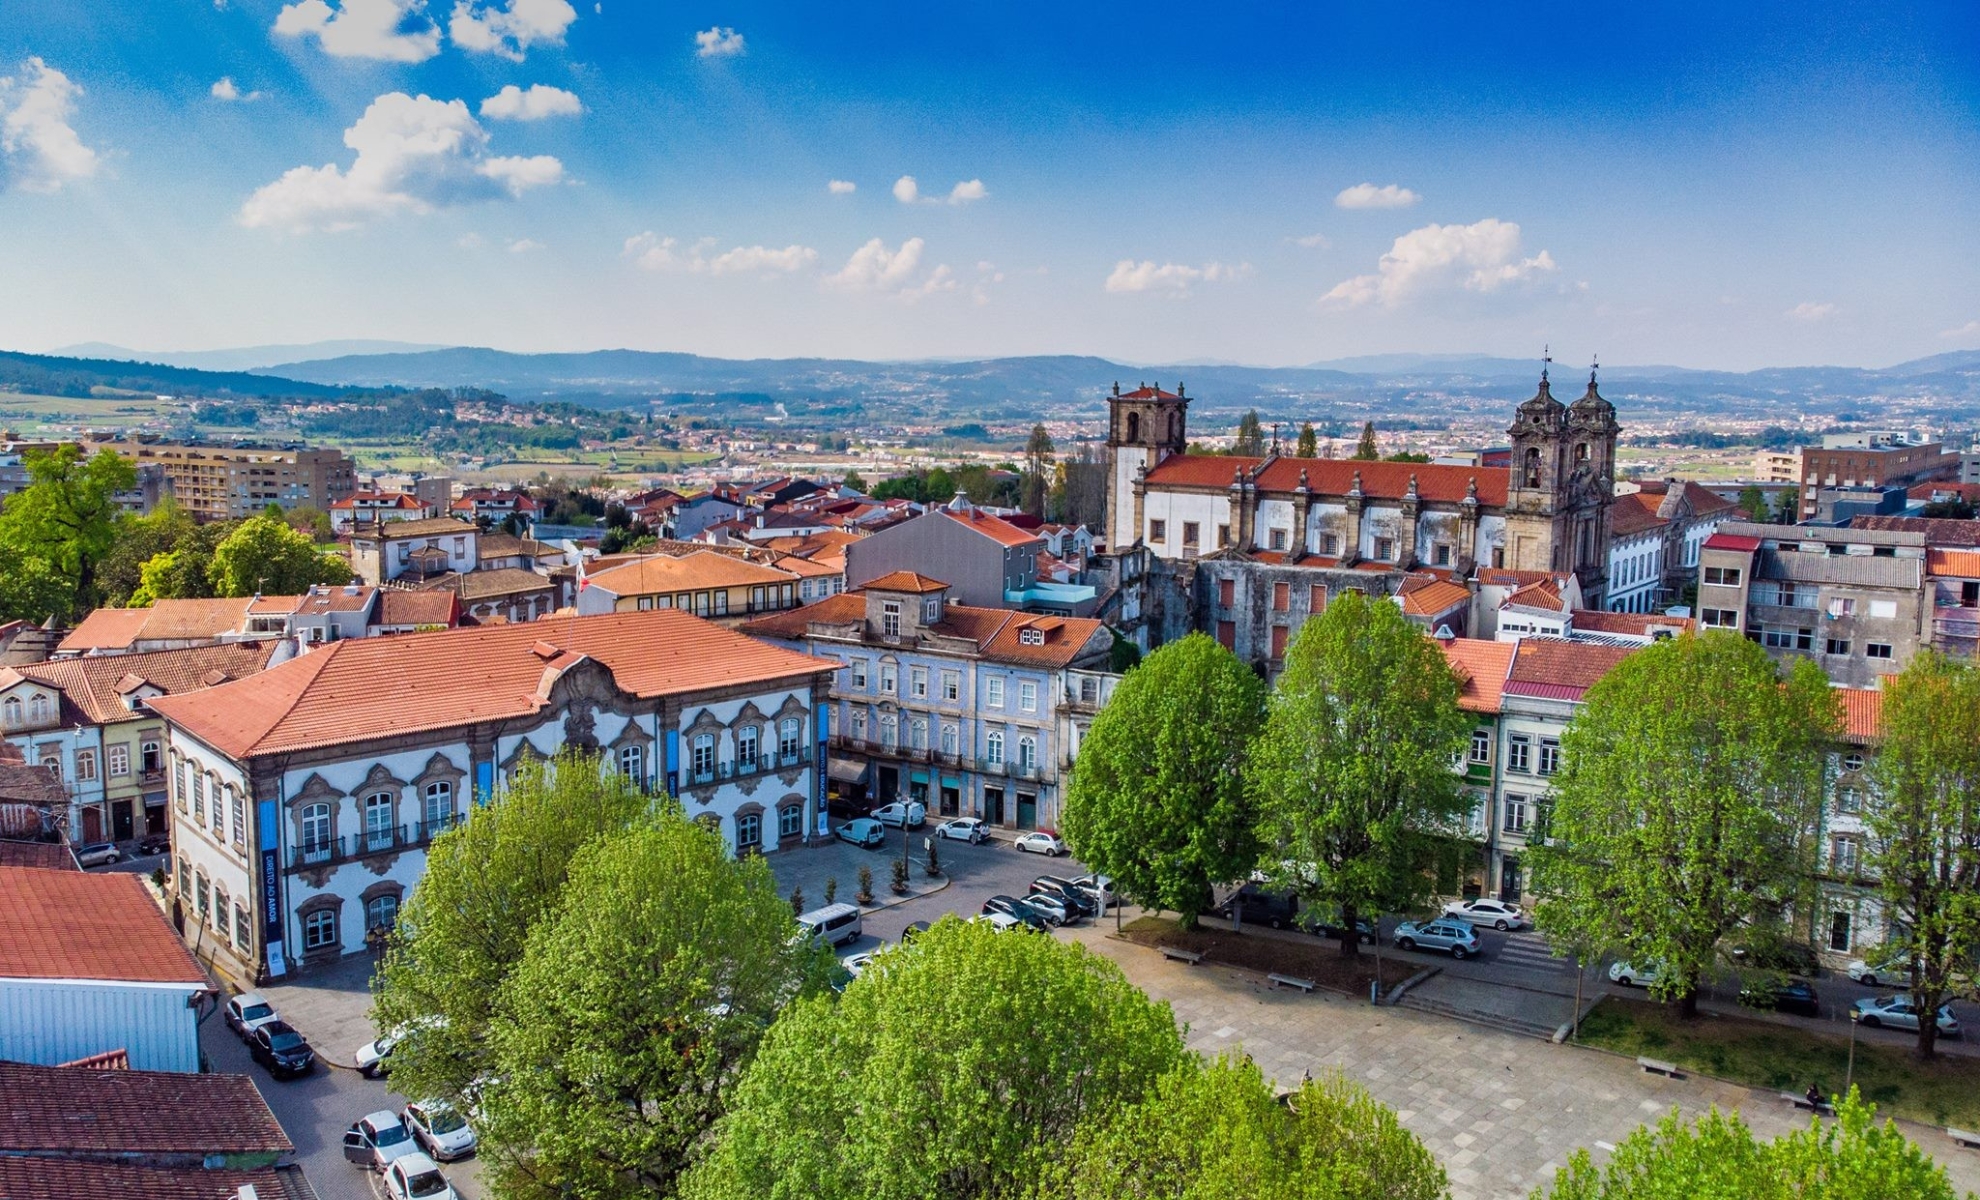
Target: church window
[(1134, 427), (1581, 453), (1533, 467)]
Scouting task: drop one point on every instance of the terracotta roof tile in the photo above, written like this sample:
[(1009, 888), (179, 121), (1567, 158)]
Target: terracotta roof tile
[(1635, 513), (1434, 598), (53, 1109), (454, 677), (1481, 666), (484, 585), (430, 527), (1732, 541), (702, 569), (993, 527), (96, 685), (24, 1178), (1862, 712), (1543, 593), (997, 632), (1335, 476), (397, 607), (105, 629), (78, 925), (1560, 669), (1588, 620), (904, 581), (1959, 564), (41, 856), (1938, 531), (1507, 577)]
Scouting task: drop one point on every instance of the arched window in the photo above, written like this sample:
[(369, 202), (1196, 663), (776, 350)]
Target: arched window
[(787, 742), (746, 742), (993, 749), (890, 730), (951, 740), (1581, 452), (918, 734), (14, 712), (379, 818), (790, 821), (1532, 467), (381, 912), (439, 811), (1027, 753), (38, 708), (704, 757), (749, 831), (1134, 427), (315, 829), (632, 763)]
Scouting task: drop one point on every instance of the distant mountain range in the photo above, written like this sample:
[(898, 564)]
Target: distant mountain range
[(244, 358), (1944, 388)]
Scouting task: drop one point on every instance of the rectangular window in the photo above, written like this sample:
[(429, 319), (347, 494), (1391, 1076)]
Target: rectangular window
[(890, 620), (1191, 534), (1278, 641), (746, 742), (890, 679), (1440, 554), (1843, 856), (1839, 932), (243, 930), (993, 691), (1519, 749), (237, 806), (859, 674), (1330, 544), (1550, 756), (1719, 618), (1836, 646), (203, 898), (1227, 593), (1227, 634), (320, 929), (120, 761), (1281, 597), (150, 760), (1223, 535), (1385, 548), (1158, 531), (1849, 800), (704, 758), (1842, 606), (1277, 539), (1027, 696), (1514, 813), (1722, 576), (1481, 746), (701, 604), (931, 610), (1883, 608), (951, 686), (790, 822), (1316, 602), (1876, 650), (918, 682), (199, 797)]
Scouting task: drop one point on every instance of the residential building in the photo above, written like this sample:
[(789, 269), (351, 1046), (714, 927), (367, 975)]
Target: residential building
[(178, 625), (416, 549), (707, 583), (994, 563), (1850, 918), (307, 794), (696, 513), (89, 965), (1481, 668), (1870, 460), (1855, 601), (504, 594), (1777, 466), (1655, 534), (495, 505), (373, 508), (34, 805), (1520, 603), (220, 483), (88, 721), (971, 711), (401, 611), (1438, 605)]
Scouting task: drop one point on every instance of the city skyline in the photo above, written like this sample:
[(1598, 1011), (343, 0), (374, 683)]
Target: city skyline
[(1779, 186)]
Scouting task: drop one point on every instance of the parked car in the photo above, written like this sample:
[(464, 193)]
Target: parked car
[(862, 831), (99, 854), (846, 808), (1253, 905), (856, 964), (1016, 909), (913, 812), (1632, 974), (435, 1125), (1077, 901), (379, 1140), (417, 1177), (248, 1012), (155, 843), (1051, 907), (914, 930), (1038, 841), (1487, 911), (1891, 969), (1788, 995), (1002, 922), (1100, 887), (1328, 925), (374, 1058), (1457, 938), (962, 829), (1898, 1012), (284, 1051), (833, 925)]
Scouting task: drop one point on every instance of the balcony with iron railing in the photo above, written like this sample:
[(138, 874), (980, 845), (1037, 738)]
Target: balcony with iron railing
[(385, 839)]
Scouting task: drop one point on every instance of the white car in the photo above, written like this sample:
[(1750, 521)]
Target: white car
[(417, 1177), (435, 1125), (1100, 888), (374, 1058), (1000, 922), (1496, 913), (1040, 842), (1632, 974), (378, 1141), (248, 1012), (962, 829), (1898, 1012), (912, 812), (1893, 970)]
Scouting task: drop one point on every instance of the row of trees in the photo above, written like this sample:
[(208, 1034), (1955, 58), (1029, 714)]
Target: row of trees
[(629, 1013), (1338, 784)]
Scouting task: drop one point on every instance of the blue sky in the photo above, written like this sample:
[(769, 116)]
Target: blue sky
[(1708, 185)]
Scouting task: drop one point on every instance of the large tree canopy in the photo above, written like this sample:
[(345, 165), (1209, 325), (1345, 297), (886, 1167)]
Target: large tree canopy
[(955, 1067), (1687, 806), (267, 556), (1157, 799), (55, 532), (1924, 820), (1353, 773)]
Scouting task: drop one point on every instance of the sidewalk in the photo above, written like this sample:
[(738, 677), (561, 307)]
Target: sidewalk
[(1501, 1111), (811, 867)]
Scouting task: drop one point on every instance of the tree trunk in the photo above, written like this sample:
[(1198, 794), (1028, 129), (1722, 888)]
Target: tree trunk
[(1350, 937), (1928, 1030), (1688, 1003)]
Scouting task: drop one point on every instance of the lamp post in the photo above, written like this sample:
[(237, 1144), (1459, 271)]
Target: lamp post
[(1849, 1075)]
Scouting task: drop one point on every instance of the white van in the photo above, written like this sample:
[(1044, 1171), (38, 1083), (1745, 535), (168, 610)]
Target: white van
[(833, 925)]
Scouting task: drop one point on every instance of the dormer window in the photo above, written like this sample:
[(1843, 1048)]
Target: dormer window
[(931, 610), (1031, 637), (890, 620)]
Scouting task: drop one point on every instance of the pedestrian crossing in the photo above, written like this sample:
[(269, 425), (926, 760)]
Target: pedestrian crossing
[(1527, 950)]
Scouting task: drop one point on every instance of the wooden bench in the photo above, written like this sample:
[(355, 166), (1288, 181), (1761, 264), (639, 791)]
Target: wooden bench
[(1961, 1137), (1821, 1107), (1657, 1066), (1178, 954), (1290, 981)]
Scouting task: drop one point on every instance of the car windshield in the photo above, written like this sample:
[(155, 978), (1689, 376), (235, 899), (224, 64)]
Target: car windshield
[(285, 1041), (254, 1012), (444, 1120), (390, 1135), (426, 1183)]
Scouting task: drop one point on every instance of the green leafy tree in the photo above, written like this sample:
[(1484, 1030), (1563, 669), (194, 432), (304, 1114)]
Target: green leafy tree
[(855, 481), (1157, 798), (1250, 439), (184, 572), (1717, 1158), (264, 555), (1687, 806), (32, 587), (957, 1067), (1217, 1132), (156, 532), (1309, 442), (1353, 773), (1039, 456), (1787, 507), (634, 1010), (61, 526), (1366, 450), (1924, 820), (487, 884), (1753, 502)]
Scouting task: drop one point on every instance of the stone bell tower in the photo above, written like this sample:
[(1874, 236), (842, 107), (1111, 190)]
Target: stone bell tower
[(1563, 478), (1144, 427)]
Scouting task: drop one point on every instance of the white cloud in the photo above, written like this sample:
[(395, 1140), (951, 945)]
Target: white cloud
[(1315, 241), (906, 190), (874, 268), (414, 154), (41, 148), (1170, 279), (223, 89), (525, 246), (1367, 195), (987, 274), (1810, 311), (841, 187), (968, 190), (541, 100), (1969, 330), (391, 30), (719, 42), (1480, 257), (655, 253), (509, 29)]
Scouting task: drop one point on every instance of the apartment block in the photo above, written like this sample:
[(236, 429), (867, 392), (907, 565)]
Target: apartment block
[(220, 483), (1869, 461)]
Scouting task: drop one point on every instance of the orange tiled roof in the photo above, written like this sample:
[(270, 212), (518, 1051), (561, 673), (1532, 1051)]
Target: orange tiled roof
[(1539, 594), (1862, 712), (398, 607), (1635, 513), (25, 1177), (997, 632), (43, 856), (1433, 597), (1335, 476), (993, 527), (133, 1112), (904, 581), (1555, 663), (79, 925), (96, 685), (702, 569), (105, 629), (1959, 564), (395, 531), (360, 689), (1589, 620), (1507, 577), (1481, 667)]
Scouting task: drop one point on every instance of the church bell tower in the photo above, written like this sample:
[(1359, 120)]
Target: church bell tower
[(1144, 427)]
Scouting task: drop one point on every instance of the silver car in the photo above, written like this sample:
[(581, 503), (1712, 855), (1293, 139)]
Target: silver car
[(1898, 1012), (1457, 938)]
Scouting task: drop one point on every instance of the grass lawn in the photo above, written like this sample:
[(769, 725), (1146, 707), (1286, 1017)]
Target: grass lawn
[(1307, 958), (1759, 1054), (29, 412)]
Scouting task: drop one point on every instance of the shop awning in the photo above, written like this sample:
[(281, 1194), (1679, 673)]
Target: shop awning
[(845, 770)]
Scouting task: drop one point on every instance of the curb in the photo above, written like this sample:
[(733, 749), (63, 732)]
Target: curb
[(896, 903), (1402, 989)]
